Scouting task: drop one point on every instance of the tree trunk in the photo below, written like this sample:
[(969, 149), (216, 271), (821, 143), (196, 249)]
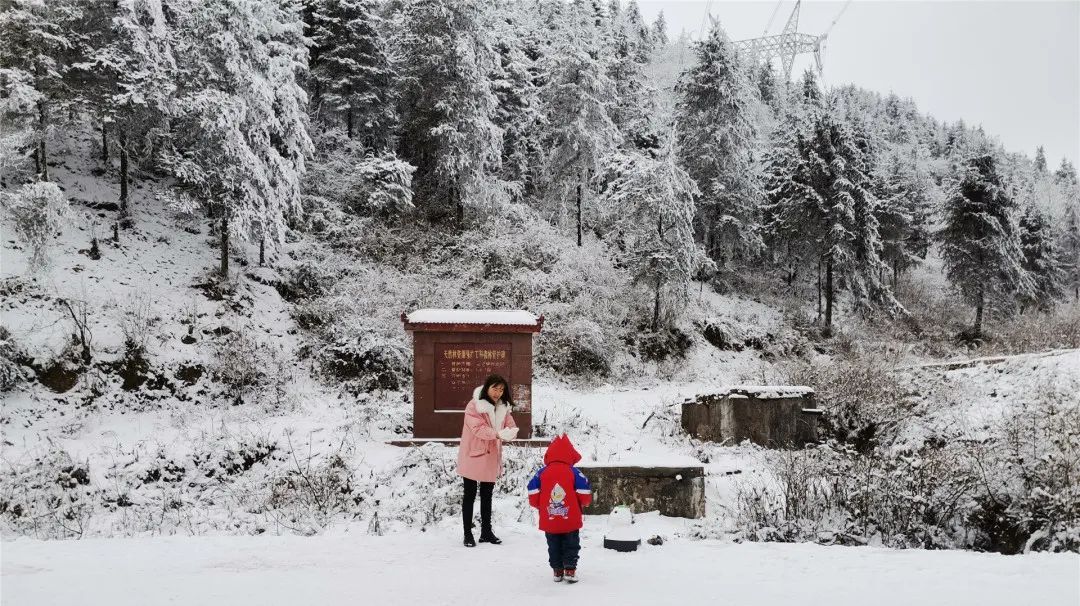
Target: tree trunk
[(828, 292), (656, 302), (819, 289), (262, 251), (42, 157), (224, 269), (104, 144), (349, 122), (978, 315), (895, 274), (123, 171), (579, 187), (793, 271)]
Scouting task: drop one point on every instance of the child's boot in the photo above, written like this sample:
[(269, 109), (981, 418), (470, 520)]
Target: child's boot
[(570, 574), (558, 575)]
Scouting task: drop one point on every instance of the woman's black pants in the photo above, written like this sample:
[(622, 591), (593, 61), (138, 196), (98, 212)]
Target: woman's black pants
[(485, 505)]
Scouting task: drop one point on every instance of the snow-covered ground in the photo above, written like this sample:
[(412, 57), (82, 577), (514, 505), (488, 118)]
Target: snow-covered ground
[(433, 568)]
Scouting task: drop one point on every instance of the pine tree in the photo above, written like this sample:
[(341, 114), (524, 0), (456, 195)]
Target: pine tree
[(642, 37), (575, 99), (1070, 248), (902, 216), (1040, 160), (514, 82), (980, 246), (447, 106), (18, 101), (635, 105), (127, 72), (1042, 260), (36, 38), (659, 30), (352, 70), (821, 200), (240, 139), (650, 204), (716, 142), (1066, 181), (768, 87)]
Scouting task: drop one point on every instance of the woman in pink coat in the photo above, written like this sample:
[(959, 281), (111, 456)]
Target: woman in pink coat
[(488, 423)]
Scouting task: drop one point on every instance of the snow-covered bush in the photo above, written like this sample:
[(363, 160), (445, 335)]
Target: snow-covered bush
[(1017, 491), (244, 364), (48, 497), (862, 399), (306, 497), (11, 370), (38, 211), (368, 362), (576, 349), (349, 178)]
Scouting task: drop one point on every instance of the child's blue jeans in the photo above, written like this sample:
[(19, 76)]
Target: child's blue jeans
[(563, 549)]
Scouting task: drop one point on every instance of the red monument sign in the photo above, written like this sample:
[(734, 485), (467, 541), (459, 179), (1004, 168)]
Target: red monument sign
[(454, 350)]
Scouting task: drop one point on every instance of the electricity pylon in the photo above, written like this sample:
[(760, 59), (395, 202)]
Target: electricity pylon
[(788, 44)]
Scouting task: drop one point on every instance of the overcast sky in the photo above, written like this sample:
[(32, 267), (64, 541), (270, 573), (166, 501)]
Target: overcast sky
[(1013, 67)]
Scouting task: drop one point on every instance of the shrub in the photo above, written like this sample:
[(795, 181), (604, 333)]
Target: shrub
[(12, 370), (38, 211)]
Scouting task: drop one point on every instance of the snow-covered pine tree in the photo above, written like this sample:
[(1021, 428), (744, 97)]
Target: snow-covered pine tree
[(575, 97), (1066, 182), (901, 213), (517, 42), (1042, 260), (768, 87), (36, 38), (1040, 160), (18, 102), (635, 106), (447, 106), (716, 142), (639, 32), (821, 200), (649, 206), (1070, 248), (240, 137), (979, 242), (352, 70), (127, 73), (659, 30)]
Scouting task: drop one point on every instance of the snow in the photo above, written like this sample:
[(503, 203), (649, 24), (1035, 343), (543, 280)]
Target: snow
[(352, 568), (765, 391), (472, 316)]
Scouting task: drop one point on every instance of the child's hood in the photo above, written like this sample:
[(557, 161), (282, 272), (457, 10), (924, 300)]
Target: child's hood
[(561, 451)]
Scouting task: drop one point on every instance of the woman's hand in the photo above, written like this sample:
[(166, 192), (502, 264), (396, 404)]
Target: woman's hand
[(508, 433)]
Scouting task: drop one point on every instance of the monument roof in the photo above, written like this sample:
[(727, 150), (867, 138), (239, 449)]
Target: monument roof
[(464, 318)]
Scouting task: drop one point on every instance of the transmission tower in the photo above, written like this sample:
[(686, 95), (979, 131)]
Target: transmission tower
[(788, 44)]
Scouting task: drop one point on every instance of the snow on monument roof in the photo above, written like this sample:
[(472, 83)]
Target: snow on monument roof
[(472, 316), (766, 391)]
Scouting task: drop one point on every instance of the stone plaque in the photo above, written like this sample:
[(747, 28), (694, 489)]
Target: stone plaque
[(461, 367)]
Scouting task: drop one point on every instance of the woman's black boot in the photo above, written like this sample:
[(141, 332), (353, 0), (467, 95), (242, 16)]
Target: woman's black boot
[(486, 536), (469, 541)]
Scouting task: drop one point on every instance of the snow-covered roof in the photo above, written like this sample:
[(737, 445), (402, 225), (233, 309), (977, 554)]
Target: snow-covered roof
[(472, 316), (765, 391)]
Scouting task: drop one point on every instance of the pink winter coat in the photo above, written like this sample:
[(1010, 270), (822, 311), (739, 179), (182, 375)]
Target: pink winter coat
[(480, 453)]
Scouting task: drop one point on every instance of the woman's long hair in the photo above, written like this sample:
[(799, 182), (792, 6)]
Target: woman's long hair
[(495, 380)]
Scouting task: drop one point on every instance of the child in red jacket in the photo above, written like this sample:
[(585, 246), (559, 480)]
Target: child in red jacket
[(560, 492)]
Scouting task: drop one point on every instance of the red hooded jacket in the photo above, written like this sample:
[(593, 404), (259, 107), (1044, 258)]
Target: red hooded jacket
[(559, 490)]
